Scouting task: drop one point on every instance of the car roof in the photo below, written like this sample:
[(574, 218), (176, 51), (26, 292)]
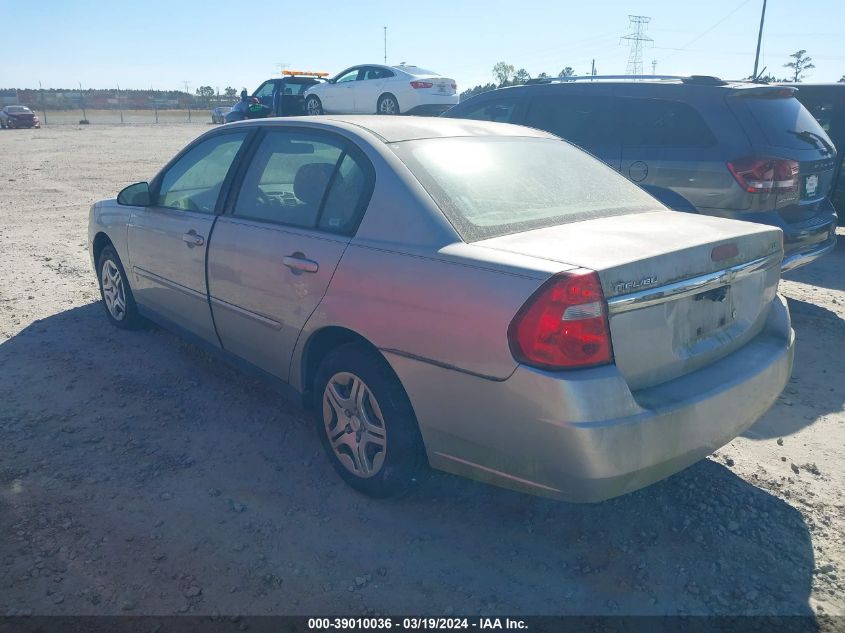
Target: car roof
[(394, 129)]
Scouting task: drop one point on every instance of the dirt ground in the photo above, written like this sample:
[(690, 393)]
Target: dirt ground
[(139, 475)]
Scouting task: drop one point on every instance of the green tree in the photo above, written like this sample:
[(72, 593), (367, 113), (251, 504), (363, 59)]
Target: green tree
[(842, 81), (230, 92), (521, 76), (566, 72), (477, 90), (502, 72), (802, 63), (206, 92), (543, 76)]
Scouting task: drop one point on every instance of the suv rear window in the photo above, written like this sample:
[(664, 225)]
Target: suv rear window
[(491, 186), (784, 122)]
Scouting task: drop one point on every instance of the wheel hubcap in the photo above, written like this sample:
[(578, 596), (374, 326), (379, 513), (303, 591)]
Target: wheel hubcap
[(313, 107), (388, 106), (354, 425), (114, 294)]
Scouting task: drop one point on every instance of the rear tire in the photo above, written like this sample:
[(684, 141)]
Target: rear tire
[(366, 423), (115, 292), (313, 105), (387, 104)]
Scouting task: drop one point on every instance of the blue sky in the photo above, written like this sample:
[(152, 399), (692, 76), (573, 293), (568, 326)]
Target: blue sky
[(160, 44)]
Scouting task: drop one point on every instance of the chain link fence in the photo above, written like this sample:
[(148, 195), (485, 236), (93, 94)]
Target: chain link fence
[(115, 107)]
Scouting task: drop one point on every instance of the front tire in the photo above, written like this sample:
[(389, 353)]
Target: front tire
[(366, 423), (115, 292), (387, 104), (313, 105)]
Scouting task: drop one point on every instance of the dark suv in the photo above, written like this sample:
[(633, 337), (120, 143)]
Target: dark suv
[(826, 102), (731, 149)]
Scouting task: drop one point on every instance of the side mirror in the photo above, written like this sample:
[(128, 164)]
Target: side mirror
[(137, 195), (331, 81)]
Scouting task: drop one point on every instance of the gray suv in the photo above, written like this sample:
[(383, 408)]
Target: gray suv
[(730, 149)]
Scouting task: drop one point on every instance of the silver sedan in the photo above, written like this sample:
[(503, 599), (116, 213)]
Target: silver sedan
[(480, 298)]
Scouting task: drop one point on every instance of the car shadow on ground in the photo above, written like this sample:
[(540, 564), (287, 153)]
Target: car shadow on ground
[(811, 393), (151, 478), (826, 272)]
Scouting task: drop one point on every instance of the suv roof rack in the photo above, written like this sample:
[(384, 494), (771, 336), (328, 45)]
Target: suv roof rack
[(704, 80)]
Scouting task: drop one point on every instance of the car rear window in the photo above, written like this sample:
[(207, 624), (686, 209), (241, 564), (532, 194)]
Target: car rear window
[(785, 121), (491, 186), (416, 71)]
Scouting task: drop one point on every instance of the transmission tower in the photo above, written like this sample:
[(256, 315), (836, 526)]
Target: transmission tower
[(637, 25)]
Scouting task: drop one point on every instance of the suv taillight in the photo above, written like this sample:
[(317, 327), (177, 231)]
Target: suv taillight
[(766, 175), (416, 85), (563, 325)]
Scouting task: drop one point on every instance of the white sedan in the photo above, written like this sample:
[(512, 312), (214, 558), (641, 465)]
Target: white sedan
[(373, 88)]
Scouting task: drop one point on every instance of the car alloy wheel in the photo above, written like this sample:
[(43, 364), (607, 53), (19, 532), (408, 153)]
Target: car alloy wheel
[(313, 106), (114, 293), (388, 105), (354, 425)]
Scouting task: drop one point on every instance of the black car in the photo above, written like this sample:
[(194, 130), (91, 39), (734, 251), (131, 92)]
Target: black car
[(699, 144), (826, 102), (284, 96)]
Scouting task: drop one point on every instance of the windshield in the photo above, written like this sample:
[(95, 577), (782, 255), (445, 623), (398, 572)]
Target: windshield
[(491, 186), (787, 123)]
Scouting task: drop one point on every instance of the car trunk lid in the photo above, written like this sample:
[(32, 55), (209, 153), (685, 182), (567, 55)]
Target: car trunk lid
[(683, 290)]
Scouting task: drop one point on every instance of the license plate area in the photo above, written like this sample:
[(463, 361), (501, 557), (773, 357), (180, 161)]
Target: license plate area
[(810, 186), (710, 311)]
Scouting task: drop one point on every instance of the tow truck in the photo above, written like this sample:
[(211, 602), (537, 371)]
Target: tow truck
[(284, 95)]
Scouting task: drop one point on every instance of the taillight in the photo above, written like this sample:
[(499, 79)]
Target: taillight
[(563, 325), (416, 85), (766, 175)]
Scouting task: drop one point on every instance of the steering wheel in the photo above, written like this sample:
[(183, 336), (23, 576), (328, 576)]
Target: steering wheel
[(262, 198)]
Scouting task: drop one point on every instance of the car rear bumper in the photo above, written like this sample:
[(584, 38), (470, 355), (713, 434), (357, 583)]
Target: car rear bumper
[(809, 254), (417, 101), (583, 435)]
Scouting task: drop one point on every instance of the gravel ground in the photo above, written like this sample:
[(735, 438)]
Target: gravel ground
[(139, 475)]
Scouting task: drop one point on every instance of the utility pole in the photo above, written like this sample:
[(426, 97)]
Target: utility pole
[(187, 92), (119, 107), (82, 105), (593, 69), (653, 67), (43, 109), (385, 46), (638, 24), (759, 40)]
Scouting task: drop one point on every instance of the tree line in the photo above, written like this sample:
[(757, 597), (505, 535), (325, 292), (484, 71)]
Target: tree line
[(506, 74)]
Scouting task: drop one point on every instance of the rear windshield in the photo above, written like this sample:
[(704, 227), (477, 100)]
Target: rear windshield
[(491, 186), (785, 122), (419, 72), (18, 109)]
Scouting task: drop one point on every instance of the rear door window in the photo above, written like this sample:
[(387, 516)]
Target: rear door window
[(663, 123), (499, 110), (585, 120), (305, 180)]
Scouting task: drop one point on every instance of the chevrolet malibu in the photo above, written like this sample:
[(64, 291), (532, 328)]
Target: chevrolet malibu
[(481, 298)]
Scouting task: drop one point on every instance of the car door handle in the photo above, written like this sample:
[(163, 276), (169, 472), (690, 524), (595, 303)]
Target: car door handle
[(192, 239), (299, 264)]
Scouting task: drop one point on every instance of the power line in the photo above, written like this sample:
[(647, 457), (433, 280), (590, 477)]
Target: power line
[(706, 31), (638, 23)]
